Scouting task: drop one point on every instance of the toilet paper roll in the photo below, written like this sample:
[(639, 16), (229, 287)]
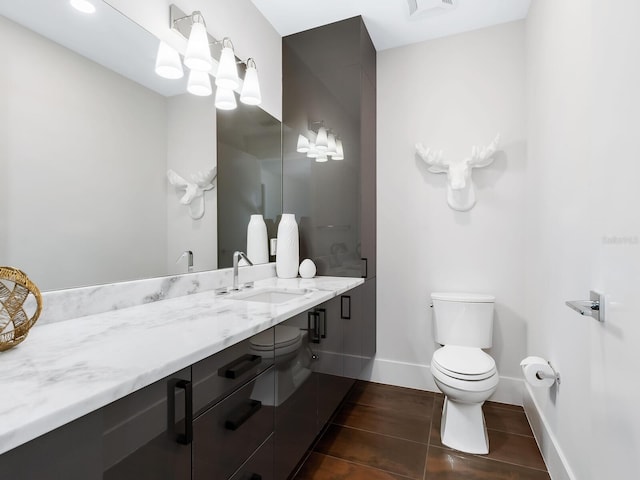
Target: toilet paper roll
[(538, 372)]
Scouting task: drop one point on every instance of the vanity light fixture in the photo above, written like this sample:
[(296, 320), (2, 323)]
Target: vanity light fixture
[(321, 158), (168, 63), (199, 83), (83, 6), (250, 94), (198, 59), (227, 76), (198, 54), (303, 144), (225, 99)]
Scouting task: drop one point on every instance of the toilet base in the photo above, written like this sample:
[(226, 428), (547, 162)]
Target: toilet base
[(463, 427)]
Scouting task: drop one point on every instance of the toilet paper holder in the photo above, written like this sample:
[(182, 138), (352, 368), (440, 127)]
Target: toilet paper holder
[(594, 307), (555, 375)]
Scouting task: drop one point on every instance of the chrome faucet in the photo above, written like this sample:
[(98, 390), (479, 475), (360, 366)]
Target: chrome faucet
[(236, 258)]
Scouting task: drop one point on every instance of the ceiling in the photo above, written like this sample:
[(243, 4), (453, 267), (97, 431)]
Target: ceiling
[(388, 21)]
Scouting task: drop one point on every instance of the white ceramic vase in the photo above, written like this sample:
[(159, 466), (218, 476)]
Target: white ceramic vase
[(257, 243), (288, 247)]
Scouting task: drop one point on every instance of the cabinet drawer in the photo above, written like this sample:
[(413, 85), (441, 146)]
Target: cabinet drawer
[(259, 466), (220, 374), (140, 432), (226, 435)]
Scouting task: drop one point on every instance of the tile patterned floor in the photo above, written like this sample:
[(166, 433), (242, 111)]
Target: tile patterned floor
[(383, 432)]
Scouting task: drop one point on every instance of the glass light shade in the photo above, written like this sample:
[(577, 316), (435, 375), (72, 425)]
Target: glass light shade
[(331, 144), (313, 152), (322, 141), (198, 54), (303, 144), (227, 76), (251, 88), (83, 6), (168, 63), (339, 151), (322, 158), (225, 99), (199, 83)]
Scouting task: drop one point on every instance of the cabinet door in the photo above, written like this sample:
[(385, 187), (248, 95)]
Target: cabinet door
[(259, 466), (351, 316), (369, 324), (144, 434), (329, 367), (296, 426)]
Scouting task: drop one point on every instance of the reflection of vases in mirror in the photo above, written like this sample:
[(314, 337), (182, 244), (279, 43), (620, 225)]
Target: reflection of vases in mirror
[(288, 248), (272, 231), (257, 243)]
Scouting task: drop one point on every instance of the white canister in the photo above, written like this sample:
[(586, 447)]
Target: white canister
[(288, 247), (257, 243)]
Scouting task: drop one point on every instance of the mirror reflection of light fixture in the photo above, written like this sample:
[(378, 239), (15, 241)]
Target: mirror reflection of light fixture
[(313, 152), (225, 99), (168, 63), (331, 144), (198, 54), (339, 151), (198, 59), (199, 83), (251, 87), (314, 148), (322, 140), (83, 6), (227, 76), (303, 144)]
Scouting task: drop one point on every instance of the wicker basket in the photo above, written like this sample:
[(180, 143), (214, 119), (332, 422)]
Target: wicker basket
[(15, 288)]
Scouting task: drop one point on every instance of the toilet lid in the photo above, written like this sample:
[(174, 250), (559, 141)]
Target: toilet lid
[(284, 337), (467, 363)]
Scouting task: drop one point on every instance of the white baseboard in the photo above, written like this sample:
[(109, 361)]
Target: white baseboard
[(413, 375), (554, 458)]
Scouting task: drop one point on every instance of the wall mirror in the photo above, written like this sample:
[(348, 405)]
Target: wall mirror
[(87, 134)]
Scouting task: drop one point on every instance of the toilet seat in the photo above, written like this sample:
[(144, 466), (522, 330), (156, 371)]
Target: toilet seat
[(285, 340), (464, 363)]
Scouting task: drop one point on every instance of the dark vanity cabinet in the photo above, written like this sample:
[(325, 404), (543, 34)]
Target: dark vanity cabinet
[(335, 351), (213, 420)]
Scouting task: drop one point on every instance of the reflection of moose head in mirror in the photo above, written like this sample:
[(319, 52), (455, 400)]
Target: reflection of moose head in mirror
[(194, 190), (460, 192)]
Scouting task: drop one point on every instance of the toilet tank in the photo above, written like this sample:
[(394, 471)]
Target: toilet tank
[(464, 319)]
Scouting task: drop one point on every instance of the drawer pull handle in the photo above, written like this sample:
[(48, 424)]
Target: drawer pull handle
[(239, 366), (345, 307), (255, 476), (187, 437), (241, 414)]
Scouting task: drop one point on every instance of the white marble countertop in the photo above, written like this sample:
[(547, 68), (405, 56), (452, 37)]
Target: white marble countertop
[(65, 370)]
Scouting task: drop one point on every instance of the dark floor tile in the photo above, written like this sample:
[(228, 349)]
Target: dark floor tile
[(408, 400), (508, 406), (323, 467), (396, 423), (515, 449), (451, 465), (506, 419), (393, 455)]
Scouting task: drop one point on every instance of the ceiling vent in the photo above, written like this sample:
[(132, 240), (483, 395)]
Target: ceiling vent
[(424, 7)]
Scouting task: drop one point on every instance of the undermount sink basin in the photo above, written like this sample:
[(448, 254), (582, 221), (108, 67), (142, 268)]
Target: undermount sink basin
[(270, 295)]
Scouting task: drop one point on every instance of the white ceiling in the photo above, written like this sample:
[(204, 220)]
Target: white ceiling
[(388, 21)]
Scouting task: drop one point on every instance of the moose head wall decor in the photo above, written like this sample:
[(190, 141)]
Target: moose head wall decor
[(460, 192), (194, 189)]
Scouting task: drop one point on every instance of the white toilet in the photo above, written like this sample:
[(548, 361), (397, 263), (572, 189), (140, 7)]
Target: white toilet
[(463, 324), (291, 358)]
